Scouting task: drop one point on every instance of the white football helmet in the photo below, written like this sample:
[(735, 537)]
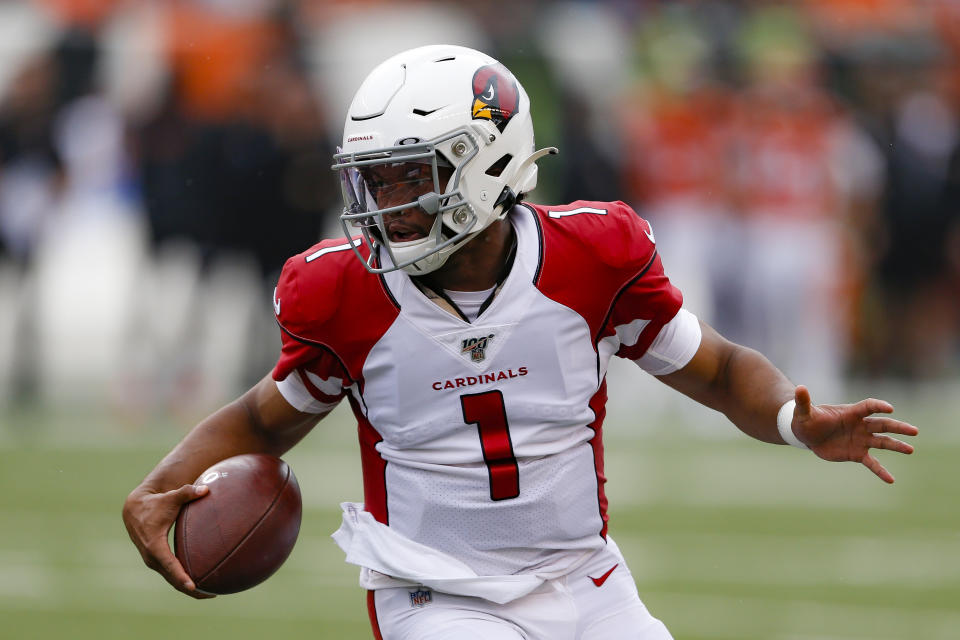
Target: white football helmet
[(451, 108)]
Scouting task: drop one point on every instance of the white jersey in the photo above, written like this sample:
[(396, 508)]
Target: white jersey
[(483, 440)]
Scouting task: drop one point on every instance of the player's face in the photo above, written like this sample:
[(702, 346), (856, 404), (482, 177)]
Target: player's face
[(399, 184)]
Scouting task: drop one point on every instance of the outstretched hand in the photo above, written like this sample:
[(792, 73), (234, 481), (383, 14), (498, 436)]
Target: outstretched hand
[(847, 432)]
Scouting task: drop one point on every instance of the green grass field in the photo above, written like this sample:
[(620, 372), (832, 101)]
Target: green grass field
[(728, 538)]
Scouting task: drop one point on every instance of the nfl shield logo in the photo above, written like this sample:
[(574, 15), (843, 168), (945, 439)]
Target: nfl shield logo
[(420, 598), (476, 347)]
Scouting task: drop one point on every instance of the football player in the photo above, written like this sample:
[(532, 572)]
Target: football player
[(471, 332)]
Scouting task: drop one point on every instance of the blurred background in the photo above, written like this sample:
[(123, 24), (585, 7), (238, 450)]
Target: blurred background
[(160, 159)]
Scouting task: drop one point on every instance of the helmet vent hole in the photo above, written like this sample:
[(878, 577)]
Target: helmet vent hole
[(447, 59), (497, 167), (424, 112)]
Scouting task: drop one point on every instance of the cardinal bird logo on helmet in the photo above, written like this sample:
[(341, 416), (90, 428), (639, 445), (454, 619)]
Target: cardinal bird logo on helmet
[(495, 95)]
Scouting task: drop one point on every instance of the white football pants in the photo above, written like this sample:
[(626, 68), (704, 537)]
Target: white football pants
[(574, 607)]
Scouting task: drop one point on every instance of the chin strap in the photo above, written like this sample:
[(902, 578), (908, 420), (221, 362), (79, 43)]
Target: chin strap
[(506, 201)]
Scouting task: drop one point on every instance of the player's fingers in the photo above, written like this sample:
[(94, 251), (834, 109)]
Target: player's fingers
[(874, 465), (889, 425), (801, 396), (870, 406), (189, 492), (173, 572), (890, 444)]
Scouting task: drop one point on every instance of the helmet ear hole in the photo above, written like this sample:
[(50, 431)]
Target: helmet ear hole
[(497, 167)]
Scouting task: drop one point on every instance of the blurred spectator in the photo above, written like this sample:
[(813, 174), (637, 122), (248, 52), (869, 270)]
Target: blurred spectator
[(575, 95), (215, 49), (235, 178), (31, 184), (801, 165), (921, 206), (838, 22), (31, 169), (236, 157), (83, 14), (590, 170)]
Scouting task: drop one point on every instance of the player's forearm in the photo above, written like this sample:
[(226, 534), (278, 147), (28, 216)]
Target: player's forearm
[(225, 433), (750, 392), (737, 381), (258, 422)]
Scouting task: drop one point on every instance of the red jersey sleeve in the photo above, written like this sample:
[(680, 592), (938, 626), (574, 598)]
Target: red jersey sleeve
[(316, 364), (649, 297), (652, 300), (601, 259)]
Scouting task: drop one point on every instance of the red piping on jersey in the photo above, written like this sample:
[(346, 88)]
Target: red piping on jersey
[(540, 240), (347, 331), (383, 283), (613, 303), (318, 345)]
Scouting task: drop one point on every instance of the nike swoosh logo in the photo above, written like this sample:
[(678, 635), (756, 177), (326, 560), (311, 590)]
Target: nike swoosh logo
[(649, 233), (276, 303), (599, 581)]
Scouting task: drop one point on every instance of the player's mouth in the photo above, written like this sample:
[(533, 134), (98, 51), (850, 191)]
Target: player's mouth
[(399, 232)]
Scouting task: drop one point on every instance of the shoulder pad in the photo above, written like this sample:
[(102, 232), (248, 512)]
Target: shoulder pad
[(311, 285), (611, 231)]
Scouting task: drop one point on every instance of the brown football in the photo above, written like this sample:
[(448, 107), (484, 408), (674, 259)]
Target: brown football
[(239, 534)]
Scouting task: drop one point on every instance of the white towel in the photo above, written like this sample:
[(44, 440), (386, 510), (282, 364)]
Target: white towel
[(381, 550)]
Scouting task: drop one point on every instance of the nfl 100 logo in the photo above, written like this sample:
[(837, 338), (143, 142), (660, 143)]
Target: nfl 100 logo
[(476, 347), (421, 598)]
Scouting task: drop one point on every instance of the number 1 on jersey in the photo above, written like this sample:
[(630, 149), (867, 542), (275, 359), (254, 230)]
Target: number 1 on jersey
[(486, 410)]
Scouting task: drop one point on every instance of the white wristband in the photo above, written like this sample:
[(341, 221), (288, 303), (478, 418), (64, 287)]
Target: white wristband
[(785, 425)]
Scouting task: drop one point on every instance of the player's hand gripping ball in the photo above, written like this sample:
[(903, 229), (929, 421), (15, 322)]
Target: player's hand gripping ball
[(239, 534)]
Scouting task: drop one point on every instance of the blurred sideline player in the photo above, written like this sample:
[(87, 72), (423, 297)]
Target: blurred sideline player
[(471, 339)]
